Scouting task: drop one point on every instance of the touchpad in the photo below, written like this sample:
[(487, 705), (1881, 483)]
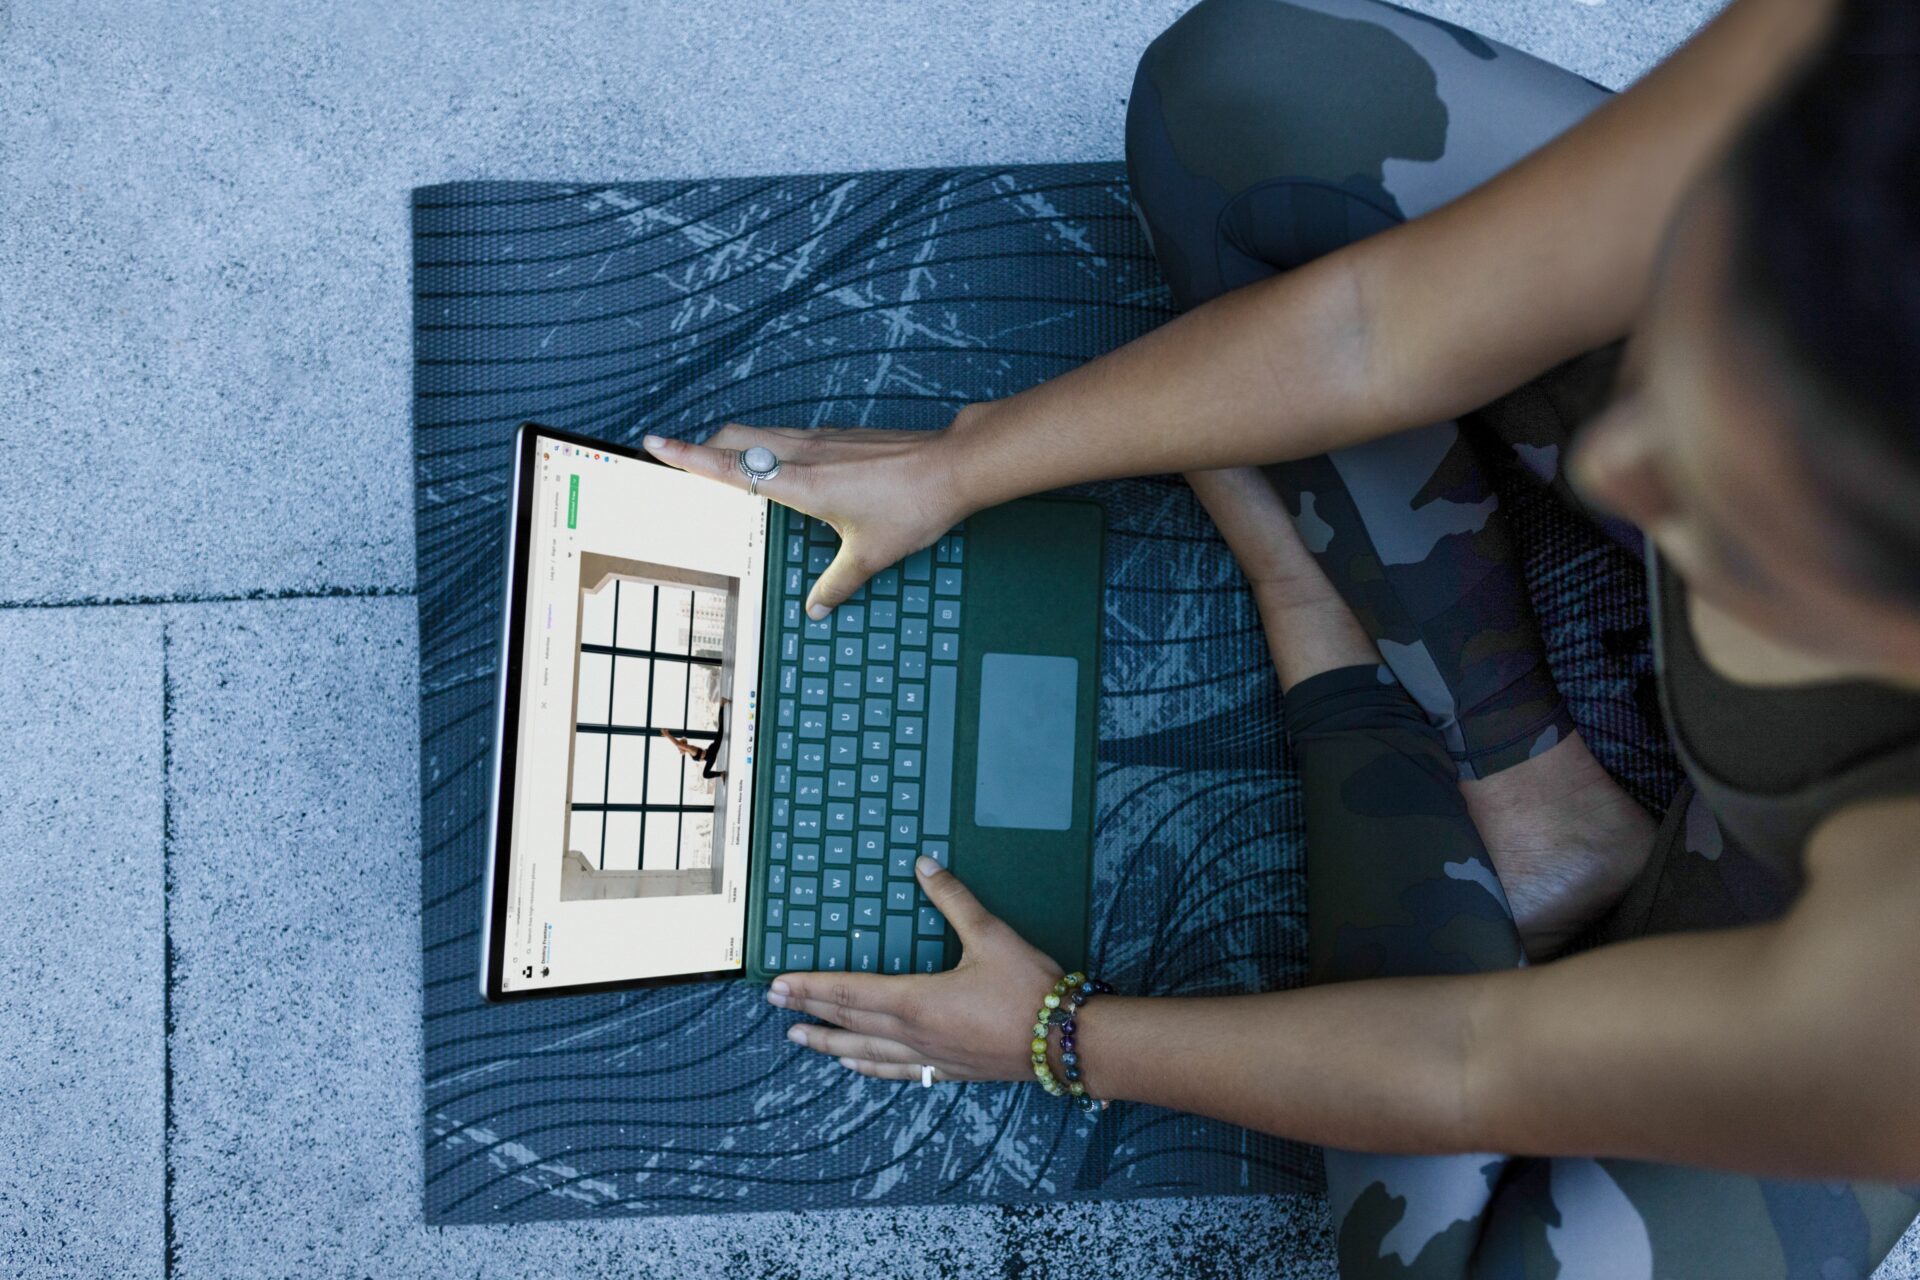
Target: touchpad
[(1027, 724)]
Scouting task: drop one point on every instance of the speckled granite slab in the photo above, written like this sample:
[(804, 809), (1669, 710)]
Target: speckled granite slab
[(883, 299)]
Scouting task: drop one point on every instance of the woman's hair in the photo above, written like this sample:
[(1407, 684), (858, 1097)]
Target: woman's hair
[(1826, 265)]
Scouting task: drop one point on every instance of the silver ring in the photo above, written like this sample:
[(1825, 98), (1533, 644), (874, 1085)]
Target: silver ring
[(926, 1075), (757, 464)]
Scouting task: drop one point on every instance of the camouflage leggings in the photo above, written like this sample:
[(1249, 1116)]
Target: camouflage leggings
[(1260, 134)]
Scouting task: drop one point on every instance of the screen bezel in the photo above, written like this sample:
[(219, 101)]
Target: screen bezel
[(506, 744)]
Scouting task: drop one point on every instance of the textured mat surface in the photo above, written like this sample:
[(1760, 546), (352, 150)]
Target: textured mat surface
[(887, 299)]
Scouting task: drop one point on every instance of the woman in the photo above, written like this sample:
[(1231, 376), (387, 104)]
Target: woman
[(1378, 223)]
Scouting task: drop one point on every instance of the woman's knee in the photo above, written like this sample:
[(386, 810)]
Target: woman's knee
[(1259, 130), (1243, 91)]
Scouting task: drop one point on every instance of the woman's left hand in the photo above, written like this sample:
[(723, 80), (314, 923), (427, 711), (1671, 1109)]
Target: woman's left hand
[(972, 1022)]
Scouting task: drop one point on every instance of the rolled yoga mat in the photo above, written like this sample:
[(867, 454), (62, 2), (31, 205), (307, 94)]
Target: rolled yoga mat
[(880, 300)]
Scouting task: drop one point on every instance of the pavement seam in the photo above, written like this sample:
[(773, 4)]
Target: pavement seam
[(290, 593), (171, 1254)]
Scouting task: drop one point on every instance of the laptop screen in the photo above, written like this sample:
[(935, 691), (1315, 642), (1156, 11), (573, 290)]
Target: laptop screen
[(633, 771)]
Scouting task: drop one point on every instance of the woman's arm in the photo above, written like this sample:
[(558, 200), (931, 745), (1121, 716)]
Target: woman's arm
[(1417, 324), (1411, 326), (1785, 1049)]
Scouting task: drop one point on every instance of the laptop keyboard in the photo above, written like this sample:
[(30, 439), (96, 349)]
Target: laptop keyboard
[(863, 726)]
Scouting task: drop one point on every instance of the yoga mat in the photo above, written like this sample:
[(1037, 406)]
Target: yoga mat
[(887, 300)]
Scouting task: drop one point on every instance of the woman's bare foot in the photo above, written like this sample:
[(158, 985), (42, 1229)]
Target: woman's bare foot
[(1565, 840)]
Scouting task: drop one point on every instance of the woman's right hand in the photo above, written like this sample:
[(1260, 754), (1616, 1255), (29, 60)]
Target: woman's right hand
[(887, 493)]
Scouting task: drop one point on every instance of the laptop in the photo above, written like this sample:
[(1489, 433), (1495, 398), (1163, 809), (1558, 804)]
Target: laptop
[(693, 781)]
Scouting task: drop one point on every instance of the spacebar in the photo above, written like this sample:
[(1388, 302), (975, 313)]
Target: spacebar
[(937, 797)]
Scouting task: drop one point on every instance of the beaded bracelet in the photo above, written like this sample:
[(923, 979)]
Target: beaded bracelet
[(1052, 1011)]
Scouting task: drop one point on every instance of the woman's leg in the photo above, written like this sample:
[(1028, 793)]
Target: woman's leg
[(1399, 884), (1262, 133)]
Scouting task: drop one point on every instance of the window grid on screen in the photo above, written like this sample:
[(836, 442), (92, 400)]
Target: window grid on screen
[(670, 826)]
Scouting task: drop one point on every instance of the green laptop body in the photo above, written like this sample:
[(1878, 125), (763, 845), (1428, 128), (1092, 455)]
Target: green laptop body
[(1024, 708)]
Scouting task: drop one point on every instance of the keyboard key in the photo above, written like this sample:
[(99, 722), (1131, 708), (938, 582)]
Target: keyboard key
[(837, 883), (793, 581), (789, 680), (786, 713), (907, 728), (782, 779), (914, 600), (850, 619), (840, 783), (846, 683), (883, 615), (866, 950), (821, 531), (919, 565), (946, 646), (846, 717), (880, 678), (789, 647), (913, 696), (873, 779), (790, 616), (946, 582), (873, 746), (879, 713), (847, 649), (872, 846), (805, 892), (776, 913), (816, 628), (906, 762), (886, 582), (899, 937), (937, 850), (819, 558), (953, 549), (928, 955), (813, 722), (913, 665), (839, 851), (774, 950), (813, 691), (781, 809), (946, 613), (906, 795), (806, 822), (777, 882), (866, 879), (777, 846), (866, 911), (913, 633), (809, 792), (930, 922), (873, 811), (833, 954), (844, 749), (783, 746), (813, 757), (801, 926), (942, 705), (900, 863), (806, 856), (899, 898), (840, 817), (796, 547), (799, 955), (905, 829), (818, 658)]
